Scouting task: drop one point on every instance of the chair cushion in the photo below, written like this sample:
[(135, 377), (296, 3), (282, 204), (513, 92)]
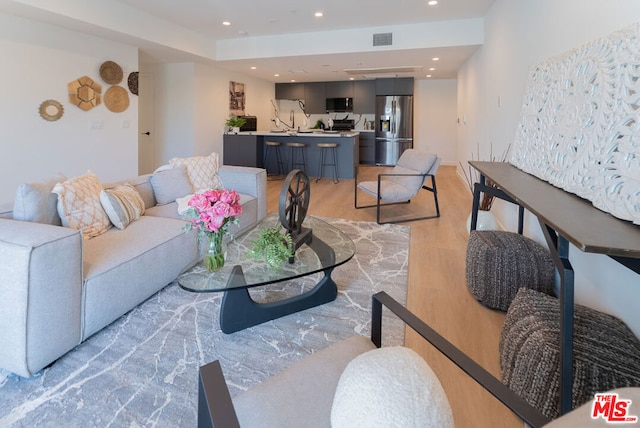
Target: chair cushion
[(390, 190), (391, 386), (302, 395), (416, 160)]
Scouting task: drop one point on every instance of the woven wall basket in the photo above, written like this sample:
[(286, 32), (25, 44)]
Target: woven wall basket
[(111, 72), (116, 99)]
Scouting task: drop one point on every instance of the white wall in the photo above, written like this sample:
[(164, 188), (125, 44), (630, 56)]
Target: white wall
[(39, 61), (192, 104), (518, 35), (434, 120)]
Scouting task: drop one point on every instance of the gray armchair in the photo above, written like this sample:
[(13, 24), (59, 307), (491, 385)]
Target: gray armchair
[(303, 395), (410, 175)]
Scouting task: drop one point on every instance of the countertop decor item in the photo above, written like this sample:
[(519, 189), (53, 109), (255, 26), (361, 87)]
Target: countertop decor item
[(51, 110), (211, 212), (116, 99), (85, 93), (235, 123), (132, 81), (111, 72)]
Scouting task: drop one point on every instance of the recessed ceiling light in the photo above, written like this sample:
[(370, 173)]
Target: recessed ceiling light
[(352, 78), (318, 14), (432, 3), (276, 75), (432, 69), (436, 59), (428, 75), (293, 80), (226, 23), (253, 67)]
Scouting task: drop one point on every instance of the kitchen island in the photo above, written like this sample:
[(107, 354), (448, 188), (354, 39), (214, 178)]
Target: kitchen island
[(247, 149)]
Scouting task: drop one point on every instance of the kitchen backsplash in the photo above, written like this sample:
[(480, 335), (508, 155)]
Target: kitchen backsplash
[(285, 107)]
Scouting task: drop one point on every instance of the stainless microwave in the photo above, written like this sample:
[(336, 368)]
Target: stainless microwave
[(339, 105)]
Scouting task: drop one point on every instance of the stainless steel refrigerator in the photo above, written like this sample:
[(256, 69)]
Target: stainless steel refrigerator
[(394, 127)]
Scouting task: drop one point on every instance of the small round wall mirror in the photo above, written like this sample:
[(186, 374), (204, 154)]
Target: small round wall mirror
[(51, 110)]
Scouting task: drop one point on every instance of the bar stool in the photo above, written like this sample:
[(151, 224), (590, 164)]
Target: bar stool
[(298, 156), (270, 146), (323, 149)]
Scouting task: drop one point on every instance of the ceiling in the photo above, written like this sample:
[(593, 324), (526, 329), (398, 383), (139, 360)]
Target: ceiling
[(294, 29)]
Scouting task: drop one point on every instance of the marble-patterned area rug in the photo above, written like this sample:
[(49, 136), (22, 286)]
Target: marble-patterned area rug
[(142, 370)]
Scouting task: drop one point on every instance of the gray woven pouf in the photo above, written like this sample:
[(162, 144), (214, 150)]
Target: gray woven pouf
[(606, 353), (499, 263)]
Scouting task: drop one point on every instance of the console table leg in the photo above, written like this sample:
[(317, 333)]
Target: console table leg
[(559, 248)]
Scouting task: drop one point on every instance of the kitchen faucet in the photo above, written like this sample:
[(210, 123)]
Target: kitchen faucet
[(292, 119)]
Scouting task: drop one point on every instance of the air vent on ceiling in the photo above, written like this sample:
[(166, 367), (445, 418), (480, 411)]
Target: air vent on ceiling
[(383, 39)]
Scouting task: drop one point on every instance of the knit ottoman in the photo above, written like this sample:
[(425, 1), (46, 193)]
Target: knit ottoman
[(606, 353), (499, 263)]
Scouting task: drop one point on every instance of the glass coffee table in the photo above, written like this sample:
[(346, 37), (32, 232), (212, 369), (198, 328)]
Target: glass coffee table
[(328, 247)]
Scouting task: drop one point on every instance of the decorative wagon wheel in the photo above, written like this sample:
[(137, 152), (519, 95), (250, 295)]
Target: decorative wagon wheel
[(294, 201)]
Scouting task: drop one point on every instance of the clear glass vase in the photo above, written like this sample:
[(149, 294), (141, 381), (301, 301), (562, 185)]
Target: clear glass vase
[(214, 258)]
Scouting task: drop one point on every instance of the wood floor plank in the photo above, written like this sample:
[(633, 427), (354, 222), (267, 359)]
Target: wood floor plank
[(437, 291)]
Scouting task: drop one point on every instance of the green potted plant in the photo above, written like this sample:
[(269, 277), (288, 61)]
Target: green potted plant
[(235, 123), (273, 246)]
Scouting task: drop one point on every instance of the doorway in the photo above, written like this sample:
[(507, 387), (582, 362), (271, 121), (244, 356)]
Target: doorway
[(146, 137)]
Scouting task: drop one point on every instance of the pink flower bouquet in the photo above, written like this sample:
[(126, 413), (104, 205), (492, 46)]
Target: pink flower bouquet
[(210, 213)]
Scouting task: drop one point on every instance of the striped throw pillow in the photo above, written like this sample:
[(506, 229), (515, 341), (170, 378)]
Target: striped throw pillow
[(123, 204)]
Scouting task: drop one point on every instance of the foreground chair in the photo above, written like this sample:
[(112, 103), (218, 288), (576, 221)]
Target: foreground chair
[(403, 183), (303, 395)]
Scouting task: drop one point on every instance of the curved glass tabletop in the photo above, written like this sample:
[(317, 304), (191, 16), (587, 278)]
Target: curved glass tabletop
[(328, 248)]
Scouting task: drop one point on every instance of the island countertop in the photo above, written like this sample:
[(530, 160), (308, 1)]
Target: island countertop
[(248, 149), (294, 133)]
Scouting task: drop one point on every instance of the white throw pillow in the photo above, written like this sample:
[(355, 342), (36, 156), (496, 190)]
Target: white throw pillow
[(202, 171), (79, 205), (122, 204), (390, 387)]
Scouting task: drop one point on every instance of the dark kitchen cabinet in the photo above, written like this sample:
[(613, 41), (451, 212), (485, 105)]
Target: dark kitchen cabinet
[(364, 97), (367, 148), (395, 86), (289, 91), (339, 89), (314, 98)]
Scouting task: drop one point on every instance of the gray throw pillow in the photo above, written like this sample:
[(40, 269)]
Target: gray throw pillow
[(171, 184), (35, 202)]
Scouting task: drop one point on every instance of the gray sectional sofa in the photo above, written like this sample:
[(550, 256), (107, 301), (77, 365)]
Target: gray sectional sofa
[(58, 289)]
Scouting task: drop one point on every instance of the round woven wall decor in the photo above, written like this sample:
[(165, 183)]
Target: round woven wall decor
[(51, 110), (111, 72), (116, 99), (133, 82)]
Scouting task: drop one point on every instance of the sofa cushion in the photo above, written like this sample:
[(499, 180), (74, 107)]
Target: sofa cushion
[(79, 205), (123, 268), (35, 202), (391, 386), (201, 170), (122, 204), (170, 184)]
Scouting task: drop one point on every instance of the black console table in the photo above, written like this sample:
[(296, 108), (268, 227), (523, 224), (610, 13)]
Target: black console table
[(564, 218)]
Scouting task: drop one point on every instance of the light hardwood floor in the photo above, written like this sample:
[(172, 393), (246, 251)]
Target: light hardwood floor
[(437, 291)]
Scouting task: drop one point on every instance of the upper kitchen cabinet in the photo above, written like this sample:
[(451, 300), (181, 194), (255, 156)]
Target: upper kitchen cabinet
[(396, 86), (314, 98), (364, 96), (289, 91), (339, 89)]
